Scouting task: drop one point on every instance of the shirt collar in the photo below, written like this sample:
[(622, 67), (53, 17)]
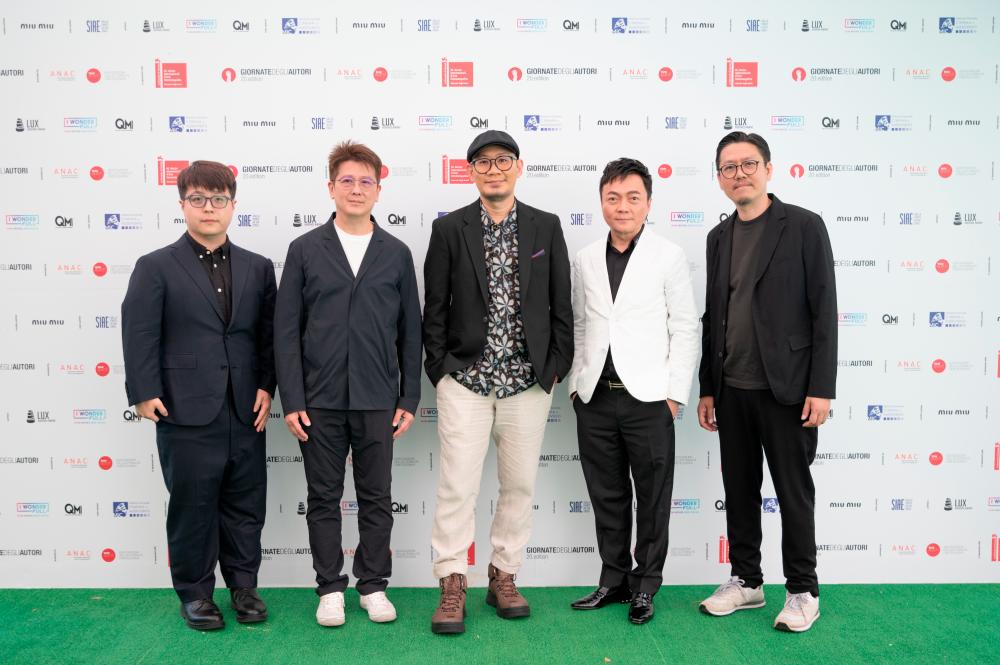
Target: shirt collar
[(201, 249), (631, 244), (488, 221)]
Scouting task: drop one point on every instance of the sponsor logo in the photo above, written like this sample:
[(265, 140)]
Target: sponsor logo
[(187, 124), (455, 171), (579, 506), (485, 25), (957, 25), (686, 219), (542, 123), (629, 25), (21, 222), (755, 25), (201, 25), (428, 25), (859, 25), (32, 509), (893, 123), (170, 74), (741, 74), (885, 412), (89, 416), (434, 122), (769, 504), (531, 25), (456, 74), (300, 26), (900, 504), (897, 25), (685, 506), (723, 549)]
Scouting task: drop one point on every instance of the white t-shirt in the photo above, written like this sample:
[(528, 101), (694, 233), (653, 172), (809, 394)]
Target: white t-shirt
[(354, 247)]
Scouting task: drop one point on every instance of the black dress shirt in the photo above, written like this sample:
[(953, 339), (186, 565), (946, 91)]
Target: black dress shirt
[(220, 274)]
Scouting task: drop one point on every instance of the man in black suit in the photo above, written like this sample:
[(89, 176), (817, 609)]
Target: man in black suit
[(768, 373), (347, 340), (199, 362), (498, 331)]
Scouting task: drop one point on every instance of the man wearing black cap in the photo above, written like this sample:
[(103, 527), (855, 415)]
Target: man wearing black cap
[(498, 331)]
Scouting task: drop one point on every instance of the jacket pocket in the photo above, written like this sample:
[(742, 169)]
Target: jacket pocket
[(801, 341), (179, 361)]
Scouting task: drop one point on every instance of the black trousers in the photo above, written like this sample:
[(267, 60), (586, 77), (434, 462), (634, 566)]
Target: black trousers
[(217, 478), (618, 434), (751, 422), (368, 434)]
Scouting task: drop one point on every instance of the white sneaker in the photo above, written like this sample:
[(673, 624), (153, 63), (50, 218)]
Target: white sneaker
[(731, 596), (331, 609), (800, 612), (380, 609)]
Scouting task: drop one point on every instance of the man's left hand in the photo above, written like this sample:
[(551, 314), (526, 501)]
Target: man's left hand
[(262, 407), (673, 406), (815, 411), (401, 421)]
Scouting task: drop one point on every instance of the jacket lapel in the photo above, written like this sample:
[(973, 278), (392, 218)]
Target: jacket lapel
[(473, 232), (371, 253), (724, 256), (769, 241), (335, 248), (239, 266), (599, 264), (186, 257), (525, 247)]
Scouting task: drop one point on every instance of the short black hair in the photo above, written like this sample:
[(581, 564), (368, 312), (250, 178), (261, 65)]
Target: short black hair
[(743, 137), (624, 167), (212, 176)]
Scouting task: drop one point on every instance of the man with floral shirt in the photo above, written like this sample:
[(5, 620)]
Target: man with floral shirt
[(498, 332)]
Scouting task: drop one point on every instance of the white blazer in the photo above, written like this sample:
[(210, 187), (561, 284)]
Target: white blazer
[(651, 327)]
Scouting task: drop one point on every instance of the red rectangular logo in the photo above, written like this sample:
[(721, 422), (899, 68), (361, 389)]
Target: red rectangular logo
[(167, 170), (471, 555), (455, 171), (723, 550), (741, 74), (456, 74), (171, 74)]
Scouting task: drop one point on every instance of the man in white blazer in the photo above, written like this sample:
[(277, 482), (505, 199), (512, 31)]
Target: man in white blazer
[(635, 330)]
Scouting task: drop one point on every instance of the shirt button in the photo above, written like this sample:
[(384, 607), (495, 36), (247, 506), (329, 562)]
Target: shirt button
[(720, 354), (485, 319), (219, 290)]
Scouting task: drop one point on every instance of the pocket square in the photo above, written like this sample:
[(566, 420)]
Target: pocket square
[(540, 253)]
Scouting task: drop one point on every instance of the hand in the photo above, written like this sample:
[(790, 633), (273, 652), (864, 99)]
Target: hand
[(295, 427), (262, 407), (706, 414), (401, 420), (673, 406), (149, 408), (815, 411)]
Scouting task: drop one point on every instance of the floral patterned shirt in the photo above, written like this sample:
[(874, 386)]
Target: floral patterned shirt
[(505, 365)]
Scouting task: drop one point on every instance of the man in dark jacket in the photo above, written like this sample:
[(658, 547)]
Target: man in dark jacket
[(199, 362), (768, 373)]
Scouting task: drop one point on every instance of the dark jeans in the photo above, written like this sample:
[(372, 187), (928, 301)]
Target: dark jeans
[(752, 424), (332, 435), (618, 434)]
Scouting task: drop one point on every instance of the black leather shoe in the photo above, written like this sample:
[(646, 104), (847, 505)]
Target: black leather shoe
[(602, 596), (202, 614), (248, 605), (641, 610)]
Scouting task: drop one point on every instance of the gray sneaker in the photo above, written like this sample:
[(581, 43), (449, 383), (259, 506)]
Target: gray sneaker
[(799, 614), (731, 596)]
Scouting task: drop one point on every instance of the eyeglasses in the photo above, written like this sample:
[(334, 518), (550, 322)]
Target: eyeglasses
[(748, 167), (347, 183), (484, 164), (199, 200)]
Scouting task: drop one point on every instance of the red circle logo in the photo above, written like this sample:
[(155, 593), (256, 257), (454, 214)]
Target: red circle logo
[(945, 170), (514, 73), (236, 171), (948, 73), (102, 369), (935, 458), (93, 75), (100, 269), (96, 173), (799, 74), (666, 73), (383, 173), (381, 74), (105, 462), (665, 171), (228, 74), (933, 549), (108, 554), (797, 170), (942, 265), (939, 366)]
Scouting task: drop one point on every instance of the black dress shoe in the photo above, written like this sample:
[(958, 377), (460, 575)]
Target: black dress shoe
[(202, 614), (248, 605), (602, 596), (641, 610)]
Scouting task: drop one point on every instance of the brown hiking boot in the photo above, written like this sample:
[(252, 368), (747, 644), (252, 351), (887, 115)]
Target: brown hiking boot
[(504, 596), (449, 617)]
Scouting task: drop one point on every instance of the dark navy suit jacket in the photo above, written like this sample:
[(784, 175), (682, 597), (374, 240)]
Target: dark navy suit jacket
[(344, 342), (178, 347)]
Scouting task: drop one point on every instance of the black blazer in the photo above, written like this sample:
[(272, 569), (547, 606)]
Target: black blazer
[(177, 346), (456, 297), (794, 305), (346, 343)]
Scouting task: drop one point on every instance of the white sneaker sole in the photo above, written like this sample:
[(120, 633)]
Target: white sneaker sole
[(384, 618), (781, 625), (749, 606), (330, 622)]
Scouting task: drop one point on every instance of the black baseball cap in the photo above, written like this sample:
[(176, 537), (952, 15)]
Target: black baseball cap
[(492, 137)]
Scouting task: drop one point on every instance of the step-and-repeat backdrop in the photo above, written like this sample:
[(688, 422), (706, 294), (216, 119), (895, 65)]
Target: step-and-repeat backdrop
[(884, 122)]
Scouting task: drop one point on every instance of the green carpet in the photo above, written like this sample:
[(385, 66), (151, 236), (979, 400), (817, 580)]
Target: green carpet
[(859, 624)]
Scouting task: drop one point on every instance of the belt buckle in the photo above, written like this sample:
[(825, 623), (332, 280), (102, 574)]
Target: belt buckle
[(612, 385)]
